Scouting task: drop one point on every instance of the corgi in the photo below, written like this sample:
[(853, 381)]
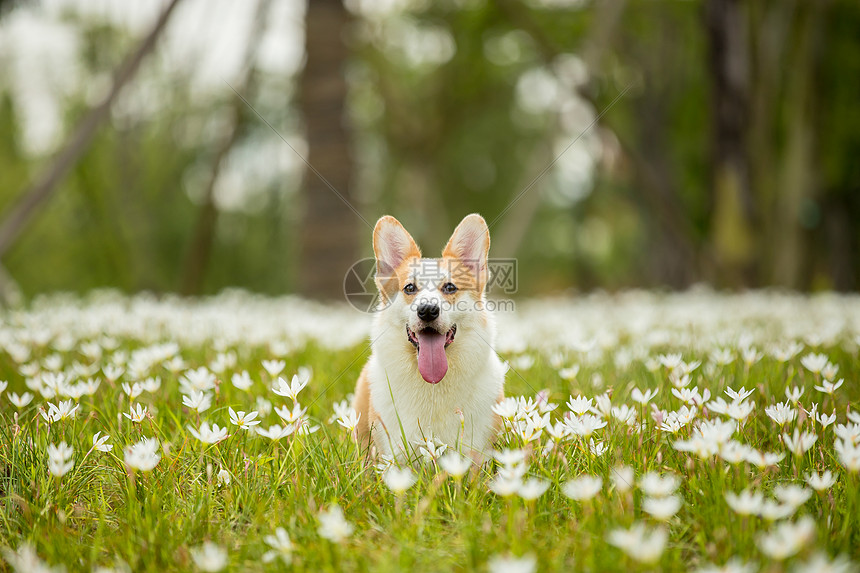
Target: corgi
[(432, 372)]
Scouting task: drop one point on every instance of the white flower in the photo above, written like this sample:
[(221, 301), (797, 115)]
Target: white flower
[(826, 420), (848, 432), (718, 406), (151, 384), (792, 494), (750, 355), (291, 416), (505, 485), (399, 480), (132, 390), (333, 525), (276, 432), (799, 444), (679, 379), (100, 443), (200, 401), (830, 371), (829, 387), (781, 413), (670, 361), (273, 367), (643, 397), (691, 396), (814, 362), (209, 557), (821, 482), (510, 458), (579, 405), (25, 560), (622, 477), (639, 543), (764, 459), (596, 448), (786, 353), (583, 487), (224, 477), (223, 361), (242, 419), (603, 405), (241, 380), (511, 564), (522, 362), (199, 379), (209, 435), (532, 488), (775, 511), (349, 419), (558, 430), (787, 538), (655, 485), (112, 372), (281, 546), (62, 411), (624, 414), (304, 427), (60, 460), (587, 424), (292, 389), (747, 502), (821, 563), (662, 508), (263, 406), (740, 395), (455, 464), (569, 373), (740, 411), (734, 452), (793, 394), (722, 356), (20, 401), (506, 408), (849, 454), (143, 455), (137, 413)]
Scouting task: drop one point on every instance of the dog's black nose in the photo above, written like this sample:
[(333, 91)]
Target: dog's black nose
[(428, 311)]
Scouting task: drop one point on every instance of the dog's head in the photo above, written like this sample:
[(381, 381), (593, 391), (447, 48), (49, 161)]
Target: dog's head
[(432, 298)]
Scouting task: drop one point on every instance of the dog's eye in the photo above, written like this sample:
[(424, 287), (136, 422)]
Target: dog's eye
[(449, 288), (410, 288)]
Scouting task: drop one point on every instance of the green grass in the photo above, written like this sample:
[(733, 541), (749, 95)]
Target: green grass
[(101, 514)]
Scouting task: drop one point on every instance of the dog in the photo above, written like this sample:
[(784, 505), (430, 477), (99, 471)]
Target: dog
[(432, 372)]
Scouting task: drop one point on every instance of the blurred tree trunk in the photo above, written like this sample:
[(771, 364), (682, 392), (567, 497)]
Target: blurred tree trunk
[(733, 240), (329, 227), (200, 250), (36, 196), (796, 177)]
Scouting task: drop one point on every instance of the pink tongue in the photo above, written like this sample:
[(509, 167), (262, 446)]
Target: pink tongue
[(432, 362)]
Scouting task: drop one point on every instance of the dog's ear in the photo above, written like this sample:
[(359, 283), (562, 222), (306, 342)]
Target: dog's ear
[(470, 244), (392, 244)]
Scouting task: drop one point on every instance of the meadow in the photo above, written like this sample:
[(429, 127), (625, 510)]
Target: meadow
[(695, 431)]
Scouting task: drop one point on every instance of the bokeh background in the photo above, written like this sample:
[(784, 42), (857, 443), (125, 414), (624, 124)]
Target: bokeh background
[(164, 145)]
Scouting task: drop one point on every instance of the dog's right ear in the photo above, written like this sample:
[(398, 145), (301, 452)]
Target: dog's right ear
[(392, 244)]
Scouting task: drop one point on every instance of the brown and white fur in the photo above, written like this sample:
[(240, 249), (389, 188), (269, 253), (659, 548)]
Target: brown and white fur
[(396, 401)]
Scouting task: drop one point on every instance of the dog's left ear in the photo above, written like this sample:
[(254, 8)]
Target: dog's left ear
[(470, 244)]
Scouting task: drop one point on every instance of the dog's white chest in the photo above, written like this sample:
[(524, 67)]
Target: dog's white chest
[(456, 412)]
